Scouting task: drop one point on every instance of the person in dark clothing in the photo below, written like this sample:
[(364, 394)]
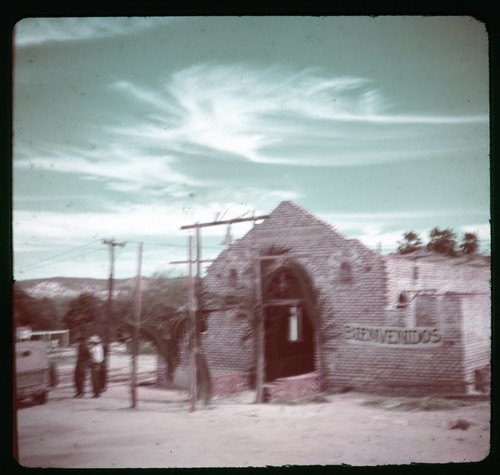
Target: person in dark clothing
[(81, 368)]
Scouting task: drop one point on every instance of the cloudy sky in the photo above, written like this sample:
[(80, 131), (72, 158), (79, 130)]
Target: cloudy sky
[(129, 128)]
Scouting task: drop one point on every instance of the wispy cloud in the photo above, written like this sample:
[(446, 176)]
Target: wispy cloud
[(248, 113), (264, 115), (122, 168), (151, 220), (397, 215), (36, 31), (154, 219)]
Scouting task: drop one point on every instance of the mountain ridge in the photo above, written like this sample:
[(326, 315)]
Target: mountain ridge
[(71, 287)]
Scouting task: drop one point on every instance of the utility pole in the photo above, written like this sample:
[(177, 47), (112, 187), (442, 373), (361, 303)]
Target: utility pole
[(112, 244), (192, 328), (195, 293), (137, 322), (260, 369), (194, 299), (197, 307), (193, 287)]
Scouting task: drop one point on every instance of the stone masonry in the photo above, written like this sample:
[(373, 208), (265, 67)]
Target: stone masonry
[(382, 324)]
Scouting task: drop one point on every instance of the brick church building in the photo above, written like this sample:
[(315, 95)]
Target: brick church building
[(339, 316)]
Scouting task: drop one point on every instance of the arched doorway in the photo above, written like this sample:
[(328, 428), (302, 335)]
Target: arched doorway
[(290, 328)]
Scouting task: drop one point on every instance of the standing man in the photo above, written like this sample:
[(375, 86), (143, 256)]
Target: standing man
[(97, 364), (82, 363)]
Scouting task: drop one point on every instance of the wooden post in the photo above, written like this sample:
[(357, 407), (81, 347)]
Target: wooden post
[(193, 304), (192, 328), (107, 339), (197, 300), (137, 322), (260, 337)]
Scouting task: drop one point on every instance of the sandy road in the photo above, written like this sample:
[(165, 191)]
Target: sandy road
[(348, 428)]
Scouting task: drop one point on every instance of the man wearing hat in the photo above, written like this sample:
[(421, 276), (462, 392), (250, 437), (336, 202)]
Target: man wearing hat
[(96, 364)]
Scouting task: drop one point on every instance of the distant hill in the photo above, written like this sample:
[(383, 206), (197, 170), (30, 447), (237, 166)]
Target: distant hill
[(71, 287)]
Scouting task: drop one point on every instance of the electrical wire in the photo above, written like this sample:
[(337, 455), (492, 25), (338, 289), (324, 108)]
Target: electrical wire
[(52, 258), (46, 262), (55, 259)]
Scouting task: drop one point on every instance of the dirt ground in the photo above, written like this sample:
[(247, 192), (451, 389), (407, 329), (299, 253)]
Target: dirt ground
[(162, 432)]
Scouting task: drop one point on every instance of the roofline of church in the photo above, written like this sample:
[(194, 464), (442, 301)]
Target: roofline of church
[(418, 256)]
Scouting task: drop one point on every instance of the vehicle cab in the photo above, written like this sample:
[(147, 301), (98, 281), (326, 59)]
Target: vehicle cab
[(35, 373)]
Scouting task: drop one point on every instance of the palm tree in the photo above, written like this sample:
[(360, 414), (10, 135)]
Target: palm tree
[(442, 242), (84, 314), (165, 323), (469, 244), (411, 242), (168, 337)]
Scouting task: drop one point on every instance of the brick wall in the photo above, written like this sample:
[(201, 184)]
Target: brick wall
[(463, 311), (224, 384), (299, 388), (223, 343), (408, 369), (356, 286), (476, 331), (443, 275), (348, 277)]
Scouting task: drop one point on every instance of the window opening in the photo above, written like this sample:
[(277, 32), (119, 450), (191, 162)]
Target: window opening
[(295, 324), (403, 300), (233, 276), (345, 272), (425, 313)]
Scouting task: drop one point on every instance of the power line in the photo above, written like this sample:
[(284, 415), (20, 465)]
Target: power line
[(56, 260), (36, 266), (49, 261), (212, 246), (53, 258), (157, 244)]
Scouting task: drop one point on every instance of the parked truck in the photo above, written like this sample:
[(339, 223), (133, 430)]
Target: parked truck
[(35, 373)]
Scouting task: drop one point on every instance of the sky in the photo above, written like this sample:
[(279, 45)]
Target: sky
[(127, 128)]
